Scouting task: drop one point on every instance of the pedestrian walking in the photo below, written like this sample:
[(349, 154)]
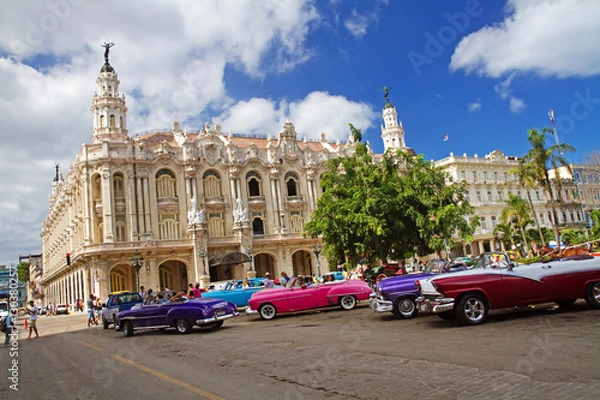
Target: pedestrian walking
[(91, 311), (33, 311)]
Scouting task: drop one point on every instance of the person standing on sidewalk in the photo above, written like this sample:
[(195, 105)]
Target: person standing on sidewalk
[(91, 309), (8, 329), (33, 316)]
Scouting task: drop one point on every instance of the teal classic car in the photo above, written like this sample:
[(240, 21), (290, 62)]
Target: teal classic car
[(234, 293)]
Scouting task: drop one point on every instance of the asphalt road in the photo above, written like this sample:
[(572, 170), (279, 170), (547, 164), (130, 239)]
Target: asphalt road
[(532, 353)]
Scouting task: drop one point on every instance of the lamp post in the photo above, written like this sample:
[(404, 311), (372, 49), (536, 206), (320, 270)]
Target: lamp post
[(136, 262), (317, 250), (249, 254), (203, 254)]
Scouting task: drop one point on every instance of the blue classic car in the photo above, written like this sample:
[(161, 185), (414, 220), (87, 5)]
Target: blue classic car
[(398, 293), (232, 292), (181, 314)]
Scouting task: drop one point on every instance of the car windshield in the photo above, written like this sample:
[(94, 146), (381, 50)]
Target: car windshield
[(435, 266), (3, 306), (130, 298), (492, 260)]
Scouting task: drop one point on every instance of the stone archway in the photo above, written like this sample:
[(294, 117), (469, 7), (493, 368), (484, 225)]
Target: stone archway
[(121, 278), (301, 262), (173, 275), (264, 263)]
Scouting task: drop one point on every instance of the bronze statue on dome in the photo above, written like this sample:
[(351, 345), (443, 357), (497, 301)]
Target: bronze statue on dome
[(107, 46)]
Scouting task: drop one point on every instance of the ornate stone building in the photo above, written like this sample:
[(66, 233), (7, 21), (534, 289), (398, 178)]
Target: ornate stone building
[(165, 209)]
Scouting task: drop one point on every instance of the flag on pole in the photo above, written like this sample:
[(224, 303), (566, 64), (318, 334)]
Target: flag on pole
[(446, 137)]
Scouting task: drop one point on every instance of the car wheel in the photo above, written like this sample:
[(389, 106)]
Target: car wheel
[(348, 302), (219, 324), (405, 307), (592, 296), (566, 303), (447, 315), (472, 309), (104, 323), (267, 311), (127, 328), (116, 322), (183, 326)]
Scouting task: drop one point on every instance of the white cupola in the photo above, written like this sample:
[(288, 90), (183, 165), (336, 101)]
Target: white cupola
[(108, 106)]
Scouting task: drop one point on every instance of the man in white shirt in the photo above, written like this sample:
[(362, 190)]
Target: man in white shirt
[(33, 316)]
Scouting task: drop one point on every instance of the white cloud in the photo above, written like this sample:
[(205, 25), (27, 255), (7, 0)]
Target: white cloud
[(318, 112), (357, 24), (517, 105), (475, 106), (550, 38)]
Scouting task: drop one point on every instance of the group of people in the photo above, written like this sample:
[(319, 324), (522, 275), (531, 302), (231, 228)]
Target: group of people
[(286, 281), (166, 295)]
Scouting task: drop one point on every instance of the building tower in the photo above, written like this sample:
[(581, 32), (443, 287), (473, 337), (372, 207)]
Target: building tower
[(108, 107), (392, 132)]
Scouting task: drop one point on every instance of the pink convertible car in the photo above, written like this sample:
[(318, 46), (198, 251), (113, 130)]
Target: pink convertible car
[(269, 302)]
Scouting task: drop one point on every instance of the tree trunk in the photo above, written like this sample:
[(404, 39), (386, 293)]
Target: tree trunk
[(535, 218)]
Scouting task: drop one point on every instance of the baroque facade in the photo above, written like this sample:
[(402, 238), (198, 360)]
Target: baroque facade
[(164, 209)]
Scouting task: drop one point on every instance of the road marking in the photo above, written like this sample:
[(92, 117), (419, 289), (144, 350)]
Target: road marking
[(157, 374)]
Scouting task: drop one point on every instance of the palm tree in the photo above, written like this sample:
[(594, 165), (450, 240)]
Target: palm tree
[(539, 158), (516, 213), (527, 180)]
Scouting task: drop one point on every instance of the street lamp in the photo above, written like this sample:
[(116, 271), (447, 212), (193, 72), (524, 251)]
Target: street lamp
[(249, 254), (203, 254), (317, 250), (136, 262)]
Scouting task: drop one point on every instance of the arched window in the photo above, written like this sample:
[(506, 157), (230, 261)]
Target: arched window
[(296, 222), (118, 186), (212, 184), (216, 225), (258, 227), (291, 181), (111, 120), (102, 123), (120, 122), (254, 184), (120, 231), (168, 227), (117, 280), (166, 184)]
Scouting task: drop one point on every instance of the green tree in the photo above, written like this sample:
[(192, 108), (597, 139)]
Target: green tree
[(388, 209), (516, 213), (527, 180), (23, 271), (539, 159)]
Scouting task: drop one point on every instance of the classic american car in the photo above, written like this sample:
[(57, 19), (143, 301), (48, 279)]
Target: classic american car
[(498, 282), (233, 293), (116, 303), (398, 293), (268, 303), (181, 314)]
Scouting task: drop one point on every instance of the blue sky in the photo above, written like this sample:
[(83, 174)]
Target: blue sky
[(482, 71)]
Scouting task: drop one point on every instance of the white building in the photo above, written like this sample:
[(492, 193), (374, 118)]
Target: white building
[(489, 182)]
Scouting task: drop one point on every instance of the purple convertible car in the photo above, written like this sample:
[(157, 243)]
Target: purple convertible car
[(397, 294), (181, 314)]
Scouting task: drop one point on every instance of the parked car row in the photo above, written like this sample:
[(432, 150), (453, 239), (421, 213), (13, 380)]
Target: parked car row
[(449, 290), (494, 281)]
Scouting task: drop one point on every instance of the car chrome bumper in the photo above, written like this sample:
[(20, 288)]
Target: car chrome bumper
[(378, 304), (215, 319), (435, 306), (250, 311)]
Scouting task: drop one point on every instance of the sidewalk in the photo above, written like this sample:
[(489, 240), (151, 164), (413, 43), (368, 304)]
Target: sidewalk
[(55, 324)]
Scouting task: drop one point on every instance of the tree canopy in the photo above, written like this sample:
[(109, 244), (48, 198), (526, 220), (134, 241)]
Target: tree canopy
[(387, 209)]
